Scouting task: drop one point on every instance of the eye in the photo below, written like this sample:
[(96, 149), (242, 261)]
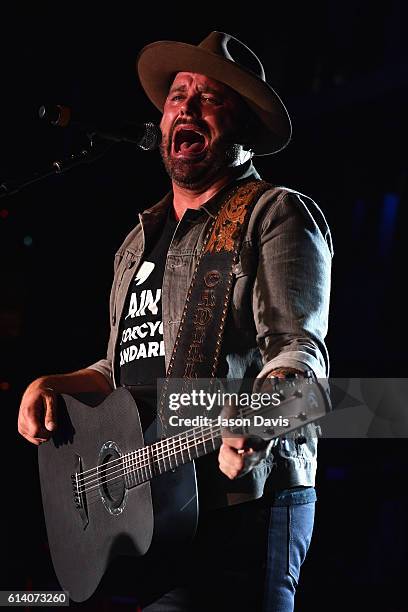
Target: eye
[(211, 100), (176, 98)]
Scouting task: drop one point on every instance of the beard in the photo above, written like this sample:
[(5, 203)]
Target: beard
[(192, 174)]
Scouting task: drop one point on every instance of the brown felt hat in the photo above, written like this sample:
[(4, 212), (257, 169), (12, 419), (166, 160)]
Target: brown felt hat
[(224, 58)]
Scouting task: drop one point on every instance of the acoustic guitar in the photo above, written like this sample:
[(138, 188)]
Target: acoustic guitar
[(111, 488)]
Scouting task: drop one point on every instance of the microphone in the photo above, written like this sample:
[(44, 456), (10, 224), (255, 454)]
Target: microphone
[(147, 136)]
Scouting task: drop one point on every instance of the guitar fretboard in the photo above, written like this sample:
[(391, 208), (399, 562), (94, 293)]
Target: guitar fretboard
[(145, 463)]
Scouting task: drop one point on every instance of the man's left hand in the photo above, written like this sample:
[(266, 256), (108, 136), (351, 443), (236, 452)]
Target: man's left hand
[(232, 456), (236, 456)]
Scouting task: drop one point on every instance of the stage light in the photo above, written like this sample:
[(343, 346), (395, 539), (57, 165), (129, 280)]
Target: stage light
[(28, 241)]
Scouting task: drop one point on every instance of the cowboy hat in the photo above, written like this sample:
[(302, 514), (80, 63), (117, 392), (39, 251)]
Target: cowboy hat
[(224, 58)]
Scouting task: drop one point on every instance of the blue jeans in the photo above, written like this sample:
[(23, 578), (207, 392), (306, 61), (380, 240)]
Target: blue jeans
[(227, 561), (290, 533), (224, 568)]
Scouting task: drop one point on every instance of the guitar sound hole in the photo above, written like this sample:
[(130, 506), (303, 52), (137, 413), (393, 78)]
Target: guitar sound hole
[(111, 484)]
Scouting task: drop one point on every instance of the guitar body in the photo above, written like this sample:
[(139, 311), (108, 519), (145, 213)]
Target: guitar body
[(112, 516), (110, 488)]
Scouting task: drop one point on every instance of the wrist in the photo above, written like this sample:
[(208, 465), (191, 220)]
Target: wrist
[(43, 382)]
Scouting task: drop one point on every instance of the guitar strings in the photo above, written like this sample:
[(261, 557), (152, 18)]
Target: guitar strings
[(91, 472), (138, 471), (161, 447), (94, 471), (143, 458), (93, 491), (140, 466), (164, 449), (142, 471), (125, 471), (162, 454)]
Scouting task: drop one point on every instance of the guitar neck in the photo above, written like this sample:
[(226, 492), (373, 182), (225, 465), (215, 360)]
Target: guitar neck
[(301, 403), (168, 454), (187, 446)]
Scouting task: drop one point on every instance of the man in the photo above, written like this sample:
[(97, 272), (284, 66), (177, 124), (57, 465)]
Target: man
[(218, 111)]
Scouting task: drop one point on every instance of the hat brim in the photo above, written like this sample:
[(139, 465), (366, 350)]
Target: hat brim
[(158, 63)]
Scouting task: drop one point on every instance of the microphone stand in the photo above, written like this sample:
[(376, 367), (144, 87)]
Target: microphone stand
[(94, 151)]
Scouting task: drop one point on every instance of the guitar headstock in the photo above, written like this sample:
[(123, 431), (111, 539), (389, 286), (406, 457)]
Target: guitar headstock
[(284, 405)]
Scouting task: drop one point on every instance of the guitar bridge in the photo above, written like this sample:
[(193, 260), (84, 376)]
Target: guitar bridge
[(78, 488)]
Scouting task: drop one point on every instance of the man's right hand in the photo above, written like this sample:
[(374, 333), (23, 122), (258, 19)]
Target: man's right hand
[(37, 415), (38, 409)]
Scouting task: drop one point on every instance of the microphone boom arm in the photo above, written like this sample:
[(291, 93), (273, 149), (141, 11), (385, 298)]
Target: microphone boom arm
[(85, 156)]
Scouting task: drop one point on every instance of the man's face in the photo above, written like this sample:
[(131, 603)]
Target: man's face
[(200, 124)]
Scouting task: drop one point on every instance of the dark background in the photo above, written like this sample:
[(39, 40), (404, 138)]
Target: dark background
[(340, 66)]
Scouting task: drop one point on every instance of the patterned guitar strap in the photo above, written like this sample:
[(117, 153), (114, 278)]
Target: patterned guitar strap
[(198, 342)]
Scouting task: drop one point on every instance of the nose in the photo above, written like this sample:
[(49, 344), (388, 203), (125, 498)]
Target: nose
[(190, 106)]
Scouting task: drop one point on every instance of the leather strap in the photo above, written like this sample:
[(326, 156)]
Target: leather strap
[(198, 342)]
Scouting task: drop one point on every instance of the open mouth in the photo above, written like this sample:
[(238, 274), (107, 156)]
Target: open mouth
[(188, 142)]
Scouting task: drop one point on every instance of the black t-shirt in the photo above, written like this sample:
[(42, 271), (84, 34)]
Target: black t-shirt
[(141, 346)]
